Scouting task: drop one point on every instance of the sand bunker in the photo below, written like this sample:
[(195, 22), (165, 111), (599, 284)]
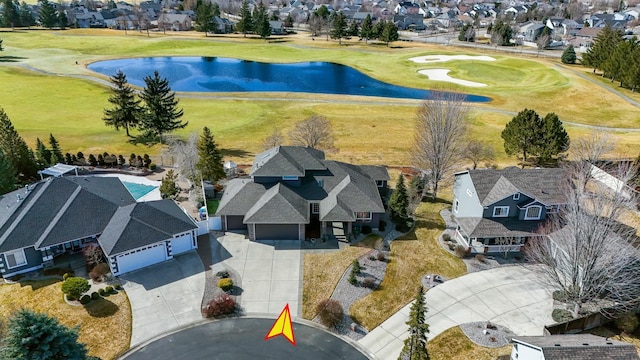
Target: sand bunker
[(442, 58), (441, 75)]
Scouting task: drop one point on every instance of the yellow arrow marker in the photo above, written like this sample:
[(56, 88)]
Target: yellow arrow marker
[(283, 326)]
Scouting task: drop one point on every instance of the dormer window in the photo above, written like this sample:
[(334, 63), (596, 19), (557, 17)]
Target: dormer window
[(516, 196), (533, 212), (315, 208)]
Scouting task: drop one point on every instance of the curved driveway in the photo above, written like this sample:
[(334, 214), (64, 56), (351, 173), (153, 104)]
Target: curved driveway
[(508, 295)]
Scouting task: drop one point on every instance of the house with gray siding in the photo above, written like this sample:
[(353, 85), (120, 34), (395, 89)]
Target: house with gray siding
[(498, 210), (295, 193), (62, 215)]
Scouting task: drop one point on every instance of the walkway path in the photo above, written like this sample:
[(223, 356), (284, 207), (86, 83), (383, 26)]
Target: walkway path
[(508, 296)]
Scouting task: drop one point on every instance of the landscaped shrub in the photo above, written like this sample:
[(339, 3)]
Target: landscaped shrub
[(452, 245), (380, 256), (366, 229), (152, 166), (561, 315), (371, 257), (95, 295), (71, 298), (382, 226), (329, 312), (225, 284), (75, 286), (109, 290), (101, 269), (369, 282), (481, 258), (222, 274), (559, 295), (356, 266), (85, 299), (117, 287), (101, 292), (446, 237), (627, 322), (352, 278), (461, 251), (65, 276), (221, 305)]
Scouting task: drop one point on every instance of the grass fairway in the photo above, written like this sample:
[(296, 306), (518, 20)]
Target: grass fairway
[(105, 324), (453, 344), (43, 90)]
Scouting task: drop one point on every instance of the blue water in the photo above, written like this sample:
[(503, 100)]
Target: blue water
[(216, 74), (138, 190)]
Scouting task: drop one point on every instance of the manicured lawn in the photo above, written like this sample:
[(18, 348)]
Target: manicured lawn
[(453, 344), (105, 325), (367, 130), (323, 271), (212, 206), (412, 256)]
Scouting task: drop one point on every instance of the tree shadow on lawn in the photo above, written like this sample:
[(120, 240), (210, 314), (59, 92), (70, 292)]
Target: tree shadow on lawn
[(235, 152), (10, 58), (101, 308), (38, 284)]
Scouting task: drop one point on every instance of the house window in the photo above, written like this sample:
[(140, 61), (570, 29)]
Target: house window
[(533, 213), (363, 216), (289, 178), (15, 258), (379, 183), (315, 208), (553, 209), (501, 211), (456, 205), (516, 196)]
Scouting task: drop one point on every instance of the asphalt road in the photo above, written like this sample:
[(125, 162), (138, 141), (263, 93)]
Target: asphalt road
[(243, 339)]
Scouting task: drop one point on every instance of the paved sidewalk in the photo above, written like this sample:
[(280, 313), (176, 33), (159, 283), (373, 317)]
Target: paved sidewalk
[(507, 295), (270, 271), (164, 296)]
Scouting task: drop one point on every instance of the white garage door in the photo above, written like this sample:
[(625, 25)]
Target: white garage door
[(140, 258), (181, 244)]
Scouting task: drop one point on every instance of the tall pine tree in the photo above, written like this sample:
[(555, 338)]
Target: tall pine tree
[(126, 111), (366, 29), (43, 154), (204, 17), (415, 346), (399, 201), (8, 180), (161, 113), (522, 134), (10, 14), (261, 21), (48, 14), (209, 163), (245, 24), (16, 150), (389, 32), (56, 152), (569, 55), (555, 139), (339, 29)]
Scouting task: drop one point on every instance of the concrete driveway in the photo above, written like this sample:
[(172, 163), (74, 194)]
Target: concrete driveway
[(165, 296), (270, 272), (509, 296)]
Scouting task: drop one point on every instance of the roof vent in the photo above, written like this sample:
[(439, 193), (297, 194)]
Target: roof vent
[(19, 197), (557, 345), (609, 343), (585, 344)]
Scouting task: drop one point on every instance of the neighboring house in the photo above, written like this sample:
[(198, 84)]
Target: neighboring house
[(223, 26), (571, 347), (585, 38), (498, 210), (409, 22), (277, 27), (408, 8), (531, 31), (174, 22), (63, 214), (295, 193)]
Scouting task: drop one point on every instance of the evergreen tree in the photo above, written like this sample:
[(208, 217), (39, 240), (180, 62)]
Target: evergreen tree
[(415, 346), (501, 33), (366, 29), (569, 55), (522, 134), (161, 113), (204, 17), (215, 9), (467, 33), (399, 201), (168, 187), (339, 29), (43, 155), (16, 150), (62, 17), (555, 139), (8, 180), (56, 153), (288, 21), (602, 48), (26, 17), (377, 29), (354, 29), (1, 49), (261, 21), (126, 111), (389, 32), (10, 14), (48, 15), (245, 24), (209, 163), (32, 335)]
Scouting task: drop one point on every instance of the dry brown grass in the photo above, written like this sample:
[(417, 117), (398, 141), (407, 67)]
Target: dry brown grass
[(412, 256), (323, 271), (453, 344), (105, 325)]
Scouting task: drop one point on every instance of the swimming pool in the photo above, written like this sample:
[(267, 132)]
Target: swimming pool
[(138, 190)]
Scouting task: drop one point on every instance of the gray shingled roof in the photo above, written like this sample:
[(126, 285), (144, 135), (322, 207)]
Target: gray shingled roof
[(544, 185), (287, 161), (142, 224), (239, 196), (279, 205), (376, 172), (498, 227), (581, 347)]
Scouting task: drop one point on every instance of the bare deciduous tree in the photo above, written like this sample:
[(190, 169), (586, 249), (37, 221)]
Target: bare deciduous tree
[(439, 135), (275, 139), (590, 254), (314, 132), (477, 151), (93, 254), (185, 156)]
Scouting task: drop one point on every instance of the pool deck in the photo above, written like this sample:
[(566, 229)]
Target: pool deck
[(152, 195)]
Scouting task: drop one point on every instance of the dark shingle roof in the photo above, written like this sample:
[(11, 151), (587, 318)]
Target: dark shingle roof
[(287, 161), (544, 185), (279, 205), (580, 347), (141, 224), (498, 227), (239, 196), (375, 172)]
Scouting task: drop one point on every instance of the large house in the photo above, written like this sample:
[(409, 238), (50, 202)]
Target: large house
[(294, 193), (498, 210), (573, 347), (62, 215)]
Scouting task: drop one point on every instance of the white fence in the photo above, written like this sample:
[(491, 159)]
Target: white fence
[(211, 224)]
